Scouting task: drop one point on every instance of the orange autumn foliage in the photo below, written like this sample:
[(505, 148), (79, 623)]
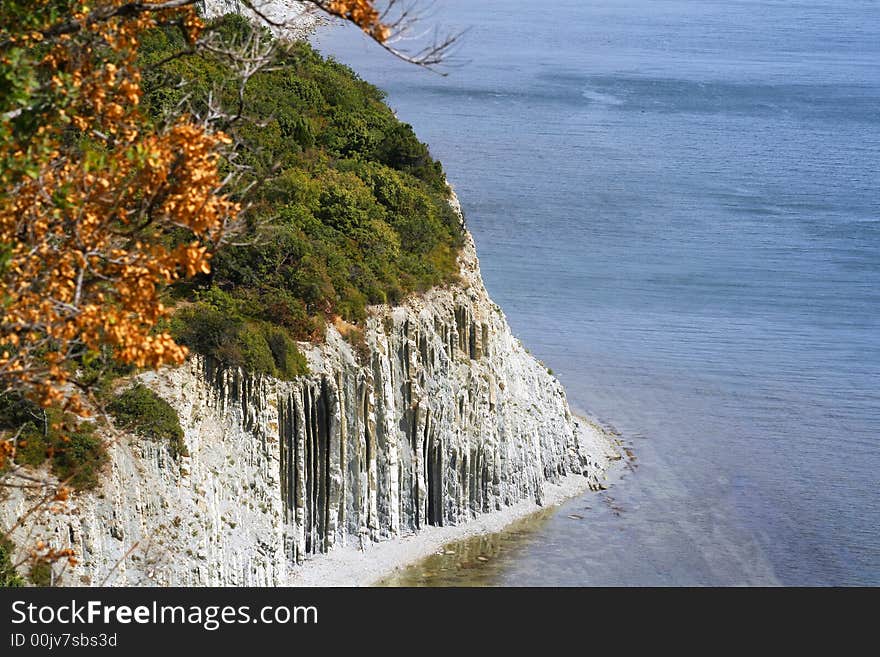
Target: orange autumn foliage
[(93, 205), (362, 13)]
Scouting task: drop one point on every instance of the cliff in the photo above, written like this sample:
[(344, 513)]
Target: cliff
[(429, 414), (289, 18), (438, 416)]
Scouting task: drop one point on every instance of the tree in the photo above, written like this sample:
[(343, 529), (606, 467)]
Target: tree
[(95, 200), (99, 206), (387, 22)]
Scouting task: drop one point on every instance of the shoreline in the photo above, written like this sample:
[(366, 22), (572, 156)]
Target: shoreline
[(351, 566)]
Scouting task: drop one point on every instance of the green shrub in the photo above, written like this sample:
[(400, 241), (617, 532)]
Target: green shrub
[(142, 411), (289, 361), (66, 442), (205, 328), (288, 311), (80, 458), (76, 457), (33, 446), (350, 210), (40, 573), (256, 346), (255, 352), (16, 411), (8, 577)]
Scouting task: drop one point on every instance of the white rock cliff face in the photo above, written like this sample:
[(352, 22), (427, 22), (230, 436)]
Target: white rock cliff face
[(287, 18), (442, 417)]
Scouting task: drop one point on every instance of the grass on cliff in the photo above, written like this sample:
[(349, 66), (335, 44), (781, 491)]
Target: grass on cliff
[(73, 447), (70, 445), (9, 578), (351, 209), (142, 411)]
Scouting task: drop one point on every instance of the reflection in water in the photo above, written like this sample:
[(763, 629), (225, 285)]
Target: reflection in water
[(476, 561), (528, 551)]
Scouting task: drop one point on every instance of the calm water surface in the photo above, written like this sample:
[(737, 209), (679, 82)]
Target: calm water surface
[(677, 204)]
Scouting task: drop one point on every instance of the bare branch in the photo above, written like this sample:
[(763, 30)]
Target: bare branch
[(392, 22)]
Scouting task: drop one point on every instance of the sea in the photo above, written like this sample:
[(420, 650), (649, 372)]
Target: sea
[(677, 205)]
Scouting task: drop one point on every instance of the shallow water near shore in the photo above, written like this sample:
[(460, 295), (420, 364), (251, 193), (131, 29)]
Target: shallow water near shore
[(677, 205), (475, 561)]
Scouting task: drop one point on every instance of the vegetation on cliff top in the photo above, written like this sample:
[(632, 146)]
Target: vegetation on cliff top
[(350, 208), (117, 181), (343, 208), (134, 138)]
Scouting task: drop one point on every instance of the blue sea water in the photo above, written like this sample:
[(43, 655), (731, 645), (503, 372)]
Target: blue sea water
[(677, 204)]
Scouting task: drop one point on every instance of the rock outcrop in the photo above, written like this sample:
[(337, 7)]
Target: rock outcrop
[(437, 415), (286, 18)]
